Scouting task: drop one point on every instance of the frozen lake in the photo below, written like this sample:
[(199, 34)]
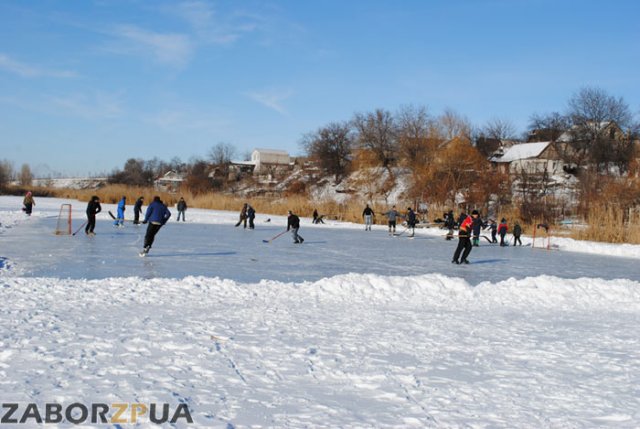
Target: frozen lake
[(220, 250)]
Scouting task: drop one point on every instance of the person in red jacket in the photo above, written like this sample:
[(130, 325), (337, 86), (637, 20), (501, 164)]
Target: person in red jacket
[(502, 231), (464, 239)]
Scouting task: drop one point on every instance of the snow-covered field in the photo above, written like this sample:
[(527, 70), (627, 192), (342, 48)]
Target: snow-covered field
[(350, 329)]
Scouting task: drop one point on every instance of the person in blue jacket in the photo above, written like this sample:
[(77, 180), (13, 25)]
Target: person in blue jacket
[(157, 215), (121, 207)]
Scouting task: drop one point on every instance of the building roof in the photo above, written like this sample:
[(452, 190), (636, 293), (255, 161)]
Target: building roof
[(272, 151), (521, 151)]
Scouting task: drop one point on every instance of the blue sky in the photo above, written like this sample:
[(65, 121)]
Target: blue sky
[(85, 85)]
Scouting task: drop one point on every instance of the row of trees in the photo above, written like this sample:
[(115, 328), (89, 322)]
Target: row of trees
[(442, 152), (7, 174)]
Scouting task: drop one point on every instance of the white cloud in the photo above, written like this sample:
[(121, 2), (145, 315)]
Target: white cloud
[(99, 105), (167, 48), (25, 70), (211, 28), (272, 98)]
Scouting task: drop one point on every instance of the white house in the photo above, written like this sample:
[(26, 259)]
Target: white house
[(531, 158), (169, 182), (265, 159)]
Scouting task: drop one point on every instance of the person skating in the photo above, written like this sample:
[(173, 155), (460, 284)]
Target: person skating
[(367, 214), (317, 218), (243, 216), (476, 226), (93, 208), (137, 210), (411, 221), (293, 224), (251, 215), (464, 239), (157, 215), (493, 227), (449, 223), (182, 207), (392, 215), (28, 203), (502, 231), (517, 232), (119, 222)]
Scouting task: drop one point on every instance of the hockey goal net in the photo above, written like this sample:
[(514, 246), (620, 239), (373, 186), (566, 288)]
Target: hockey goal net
[(541, 238), (63, 225)]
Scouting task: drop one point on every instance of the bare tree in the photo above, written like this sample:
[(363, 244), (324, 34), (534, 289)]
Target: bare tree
[(26, 177), (498, 128), (417, 136), (222, 153), (6, 173), (547, 127), (377, 131), (331, 146), (599, 123), (451, 124)]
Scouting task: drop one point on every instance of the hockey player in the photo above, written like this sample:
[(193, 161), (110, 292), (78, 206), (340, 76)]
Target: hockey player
[(182, 207), (517, 232), (493, 227), (137, 210), (464, 241), (119, 222), (411, 221), (251, 215), (392, 215), (28, 203), (502, 231), (476, 226), (243, 216), (157, 215), (293, 224), (93, 208), (449, 223), (368, 215)]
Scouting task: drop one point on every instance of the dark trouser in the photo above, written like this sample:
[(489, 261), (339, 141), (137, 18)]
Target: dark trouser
[(136, 217), (242, 219), (251, 225), (516, 239), (476, 240), (152, 230), (91, 224), (28, 208), (296, 237), (493, 237), (502, 243), (463, 243), (392, 224), (180, 212)]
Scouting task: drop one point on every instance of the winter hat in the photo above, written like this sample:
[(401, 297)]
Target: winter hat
[(503, 220), (475, 212)]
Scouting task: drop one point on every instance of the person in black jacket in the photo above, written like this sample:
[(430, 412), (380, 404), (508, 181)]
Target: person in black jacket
[(137, 210), (182, 207), (476, 226), (93, 208), (293, 224), (517, 232), (449, 223), (251, 215), (411, 221), (368, 215)]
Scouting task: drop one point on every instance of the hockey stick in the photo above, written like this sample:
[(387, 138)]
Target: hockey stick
[(273, 238), (122, 219), (81, 226)]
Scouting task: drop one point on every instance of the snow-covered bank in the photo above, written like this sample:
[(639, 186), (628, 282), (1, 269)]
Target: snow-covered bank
[(347, 351)]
